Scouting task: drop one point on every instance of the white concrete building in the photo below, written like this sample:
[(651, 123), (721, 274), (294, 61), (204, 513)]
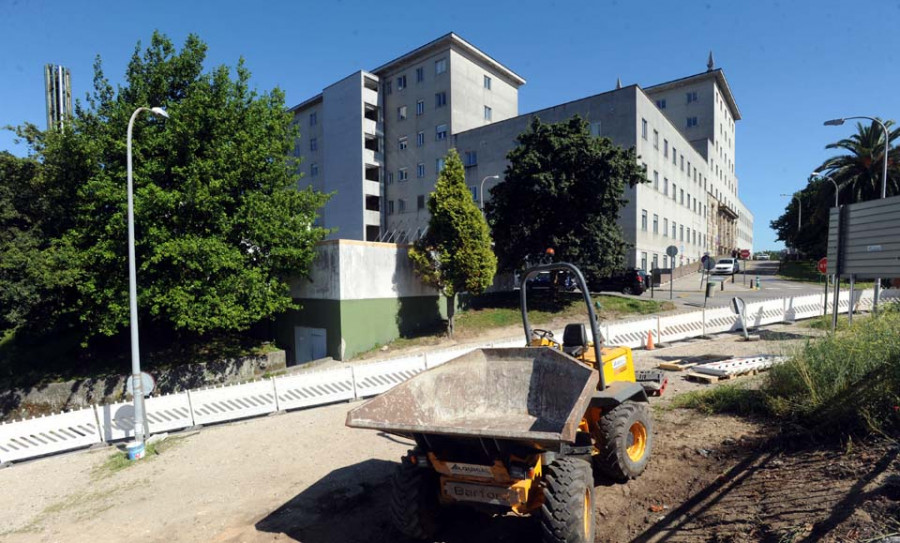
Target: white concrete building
[(378, 138)]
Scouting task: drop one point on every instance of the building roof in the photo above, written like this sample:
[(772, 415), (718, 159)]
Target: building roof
[(443, 42), (306, 103), (719, 76)]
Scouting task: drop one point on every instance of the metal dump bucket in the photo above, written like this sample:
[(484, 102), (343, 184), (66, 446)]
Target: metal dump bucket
[(531, 394)]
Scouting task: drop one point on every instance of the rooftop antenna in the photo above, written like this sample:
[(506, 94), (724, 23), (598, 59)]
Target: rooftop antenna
[(710, 64)]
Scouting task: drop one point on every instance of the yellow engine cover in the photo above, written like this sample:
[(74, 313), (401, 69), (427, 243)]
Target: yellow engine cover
[(618, 364)]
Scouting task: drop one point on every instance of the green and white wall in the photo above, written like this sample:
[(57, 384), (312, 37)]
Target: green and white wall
[(360, 294)]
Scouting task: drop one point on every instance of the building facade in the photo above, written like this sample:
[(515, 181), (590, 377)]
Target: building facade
[(378, 140)]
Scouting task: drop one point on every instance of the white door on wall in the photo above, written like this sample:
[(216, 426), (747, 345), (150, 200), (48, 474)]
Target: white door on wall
[(309, 344)]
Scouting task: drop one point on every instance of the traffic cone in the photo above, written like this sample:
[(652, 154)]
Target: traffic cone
[(650, 346)]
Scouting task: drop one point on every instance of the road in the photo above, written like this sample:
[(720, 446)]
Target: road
[(688, 293)]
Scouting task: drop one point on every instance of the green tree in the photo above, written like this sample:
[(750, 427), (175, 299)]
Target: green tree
[(220, 224), (564, 189), (858, 174), (455, 253)]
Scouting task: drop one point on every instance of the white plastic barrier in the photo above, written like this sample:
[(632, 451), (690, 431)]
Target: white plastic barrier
[(377, 377), (633, 333), (211, 405), (50, 434), (765, 312), (803, 307), (720, 319), (164, 414), (314, 388), (682, 326), (436, 358)]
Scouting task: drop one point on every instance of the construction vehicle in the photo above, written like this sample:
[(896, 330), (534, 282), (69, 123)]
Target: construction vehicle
[(519, 429)]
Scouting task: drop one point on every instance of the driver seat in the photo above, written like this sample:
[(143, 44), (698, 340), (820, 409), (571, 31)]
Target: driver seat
[(574, 340)]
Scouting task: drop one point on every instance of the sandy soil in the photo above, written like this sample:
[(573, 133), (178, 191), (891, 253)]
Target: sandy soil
[(303, 476)]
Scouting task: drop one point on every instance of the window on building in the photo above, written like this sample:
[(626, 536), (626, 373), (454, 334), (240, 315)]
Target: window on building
[(655, 139), (655, 223), (643, 261), (682, 197), (681, 232), (675, 191), (440, 66), (440, 132), (440, 99), (420, 139), (420, 201), (420, 75), (596, 128), (691, 122), (390, 209), (420, 170), (665, 261), (313, 169), (387, 87), (313, 119), (438, 165), (401, 143), (401, 82), (688, 234), (674, 224), (420, 107), (666, 148), (471, 158), (401, 205), (644, 128), (487, 82), (674, 152), (665, 227), (390, 178), (474, 190), (313, 144), (655, 261), (655, 179), (691, 97), (661, 104), (681, 161), (644, 220), (488, 113), (666, 186), (401, 113), (402, 174)]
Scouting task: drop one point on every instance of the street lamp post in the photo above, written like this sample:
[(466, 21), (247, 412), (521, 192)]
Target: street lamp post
[(887, 138), (799, 209), (140, 417), (833, 182), (481, 190)]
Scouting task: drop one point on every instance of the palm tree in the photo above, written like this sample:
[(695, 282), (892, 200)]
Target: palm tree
[(862, 167)]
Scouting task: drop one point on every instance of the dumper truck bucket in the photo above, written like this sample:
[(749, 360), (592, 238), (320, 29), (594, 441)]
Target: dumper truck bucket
[(535, 394)]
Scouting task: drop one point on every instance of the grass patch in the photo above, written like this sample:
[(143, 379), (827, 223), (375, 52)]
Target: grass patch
[(823, 322), (841, 384), (119, 461), (807, 272)]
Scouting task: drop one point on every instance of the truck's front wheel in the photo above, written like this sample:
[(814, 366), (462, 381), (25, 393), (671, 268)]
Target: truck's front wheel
[(567, 515), (627, 441), (414, 501)]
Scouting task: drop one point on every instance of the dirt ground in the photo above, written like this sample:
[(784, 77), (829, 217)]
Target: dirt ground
[(303, 476)]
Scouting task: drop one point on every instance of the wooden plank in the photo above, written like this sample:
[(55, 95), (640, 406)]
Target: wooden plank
[(708, 379)]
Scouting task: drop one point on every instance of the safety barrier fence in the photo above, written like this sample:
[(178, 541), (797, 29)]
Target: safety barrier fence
[(30, 438)]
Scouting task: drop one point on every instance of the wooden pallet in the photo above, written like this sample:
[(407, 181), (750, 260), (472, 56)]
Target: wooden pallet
[(709, 379), (687, 363)]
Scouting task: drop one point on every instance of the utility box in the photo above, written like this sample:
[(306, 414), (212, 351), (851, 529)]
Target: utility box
[(864, 239)]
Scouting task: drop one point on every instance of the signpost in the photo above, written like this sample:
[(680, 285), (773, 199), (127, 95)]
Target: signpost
[(822, 266), (672, 251), (147, 384), (745, 254)]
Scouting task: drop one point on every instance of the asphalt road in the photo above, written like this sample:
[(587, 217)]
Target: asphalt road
[(688, 292)]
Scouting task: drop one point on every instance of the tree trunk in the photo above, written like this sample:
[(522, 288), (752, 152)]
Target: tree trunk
[(451, 314)]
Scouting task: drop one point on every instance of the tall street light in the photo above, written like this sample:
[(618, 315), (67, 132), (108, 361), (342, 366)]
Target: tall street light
[(799, 209), (140, 417), (833, 182), (481, 190), (887, 137)]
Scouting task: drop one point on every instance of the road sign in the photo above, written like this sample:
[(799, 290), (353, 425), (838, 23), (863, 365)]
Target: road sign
[(745, 254), (147, 383), (709, 264), (672, 251), (823, 265)]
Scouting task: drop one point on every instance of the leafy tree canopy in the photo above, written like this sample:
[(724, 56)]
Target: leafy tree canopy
[(563, 188), (219, 223), (455, 253)]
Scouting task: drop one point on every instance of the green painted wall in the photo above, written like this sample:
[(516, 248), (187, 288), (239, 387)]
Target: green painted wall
[(362, 324)]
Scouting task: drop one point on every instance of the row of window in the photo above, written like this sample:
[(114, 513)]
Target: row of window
[(440, 100), (440, 66), (679, 231), (690, 96), (403, 173), (401, 204), (686, 199)]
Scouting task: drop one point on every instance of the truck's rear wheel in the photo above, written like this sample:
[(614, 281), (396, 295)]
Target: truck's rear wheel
[(567, 515), (627, 441), (414, 501)]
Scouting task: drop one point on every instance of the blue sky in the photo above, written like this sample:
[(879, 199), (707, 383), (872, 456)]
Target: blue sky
[(791, 64)]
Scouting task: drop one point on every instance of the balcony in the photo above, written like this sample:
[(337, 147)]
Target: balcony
[(371, 188)]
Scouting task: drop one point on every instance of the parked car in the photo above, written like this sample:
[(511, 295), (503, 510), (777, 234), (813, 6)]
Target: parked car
[(761, 256), (726, 266), (631, 281)]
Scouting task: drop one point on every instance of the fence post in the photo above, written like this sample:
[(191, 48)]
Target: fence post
[(275, 388)]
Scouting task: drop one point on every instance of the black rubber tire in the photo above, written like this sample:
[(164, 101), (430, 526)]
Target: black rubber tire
[(569, 483), (627, 290), (613, 460), (414, 501)]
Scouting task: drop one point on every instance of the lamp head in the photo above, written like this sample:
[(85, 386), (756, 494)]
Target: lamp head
[(159, 111), (834, 122)]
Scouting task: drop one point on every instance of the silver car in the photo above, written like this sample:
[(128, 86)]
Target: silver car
[(726, 266)]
